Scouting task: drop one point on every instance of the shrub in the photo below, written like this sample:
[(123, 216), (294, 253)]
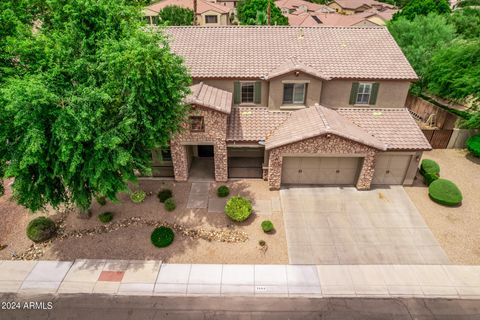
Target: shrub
[(164, 195), (429, 178), (223, 191), (169, 204), (105, 217), (473, 145), (445, 192), (162, 237), (138, 196), (267, 226), (238, 208), (2, 188), (429, 166), (101, 201), (41, 229)]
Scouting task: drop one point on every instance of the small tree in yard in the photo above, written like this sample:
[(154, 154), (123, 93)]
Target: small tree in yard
[(176, 16), (415, 8), (82, 117), (254, 12)]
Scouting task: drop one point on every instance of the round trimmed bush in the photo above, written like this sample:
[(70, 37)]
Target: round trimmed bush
[(164, 194), (223, 191), (429, 178), (238, 209), (429, 166), (105, 217), (445, 192), (162, 237), (473, 145), (267, 226), (169, 204), (41, 229), (101, 200), (138, 196)]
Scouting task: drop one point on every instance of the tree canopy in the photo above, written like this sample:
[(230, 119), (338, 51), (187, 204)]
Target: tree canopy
[(176, 16), (466, 22), (254, 12), (81, 118), (415, 8)]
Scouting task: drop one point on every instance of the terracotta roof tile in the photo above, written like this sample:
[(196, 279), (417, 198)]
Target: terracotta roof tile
[(253, 51), (202, 6), (210, 97)]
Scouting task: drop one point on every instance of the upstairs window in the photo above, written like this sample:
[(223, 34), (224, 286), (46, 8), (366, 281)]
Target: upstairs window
[(211, 19), (197, 124), (247, 92), (294, 93), (364, 92)]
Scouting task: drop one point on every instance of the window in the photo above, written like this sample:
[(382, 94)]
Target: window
[(211, 19), (363, 93), (197, 124), (294, 93), (166, 154), (248, 92)]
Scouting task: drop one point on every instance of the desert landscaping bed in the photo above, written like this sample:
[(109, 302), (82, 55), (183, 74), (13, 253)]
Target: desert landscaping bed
[(200, 236), (456, 228)]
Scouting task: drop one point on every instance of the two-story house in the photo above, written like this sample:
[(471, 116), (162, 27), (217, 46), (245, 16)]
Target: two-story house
[(322, 106)]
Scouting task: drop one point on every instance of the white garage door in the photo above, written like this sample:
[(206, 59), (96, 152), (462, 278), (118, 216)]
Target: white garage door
[(320, 170), (391, 169)]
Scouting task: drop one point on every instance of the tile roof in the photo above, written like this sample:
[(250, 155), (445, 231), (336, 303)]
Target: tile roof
[(354, 4), (294, 64), (293, 4), (254, 51), (210, 97), (318, 120), (253, 123), (394, 126), (202, 6)]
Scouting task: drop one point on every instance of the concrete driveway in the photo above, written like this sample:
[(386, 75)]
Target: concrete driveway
[(341, 225)]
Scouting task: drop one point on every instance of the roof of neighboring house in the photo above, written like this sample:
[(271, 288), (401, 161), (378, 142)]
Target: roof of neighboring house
[(294, 4), (303, 19), (210, 97), (354, 4), (336, 19), (202, 6), (318, 120), (253, 123), (394, 126), (254, 51)]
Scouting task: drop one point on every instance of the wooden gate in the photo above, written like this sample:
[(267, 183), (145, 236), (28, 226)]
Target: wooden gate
[(438, 138)]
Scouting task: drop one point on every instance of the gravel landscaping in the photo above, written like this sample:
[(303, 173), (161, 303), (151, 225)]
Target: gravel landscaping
[(200, 236), (456, 228)]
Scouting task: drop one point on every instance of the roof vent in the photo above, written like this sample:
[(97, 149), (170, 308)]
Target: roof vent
[(300, 34)]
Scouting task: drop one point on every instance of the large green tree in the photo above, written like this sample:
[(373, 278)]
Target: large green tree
[(466, 22), (254, 12), (82, 118), (415, 8), (176, 16)]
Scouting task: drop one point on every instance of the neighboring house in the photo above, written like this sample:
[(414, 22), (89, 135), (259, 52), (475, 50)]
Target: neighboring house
[(357, 6), (300, 6), (208, 13), (320, 106)]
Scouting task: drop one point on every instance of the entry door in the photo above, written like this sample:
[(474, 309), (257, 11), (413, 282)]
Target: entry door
[(391, 169), (205, 151)]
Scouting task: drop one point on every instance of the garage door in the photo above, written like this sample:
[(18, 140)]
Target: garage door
[(245, 162), (391, 169), (320, 170)]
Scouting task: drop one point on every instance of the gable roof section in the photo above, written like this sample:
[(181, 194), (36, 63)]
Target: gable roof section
[(293, 64), (293, 4), (355, 4), (394, 126), (202, 6), (318, 120), (210, 97), (246, 52)]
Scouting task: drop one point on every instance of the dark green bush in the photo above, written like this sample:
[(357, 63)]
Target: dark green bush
[(223, 191), (164, 194), (238, 208), (101, 201), (445, 192), (138, 196), (169, 204), (428, 178), (105, 217), (473, 145), (429, 166), (41, 229), (162, 237), (2, 188), (267, 226)]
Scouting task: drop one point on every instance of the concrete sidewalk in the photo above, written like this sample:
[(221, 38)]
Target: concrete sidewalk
[(133, 277)]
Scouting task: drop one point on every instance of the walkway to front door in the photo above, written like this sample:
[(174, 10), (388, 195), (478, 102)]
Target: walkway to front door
[(201, 169)]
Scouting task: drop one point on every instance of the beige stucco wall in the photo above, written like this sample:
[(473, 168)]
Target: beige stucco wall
[(227, 85), (367, 23), (222, 19), (391, 94), (275, 97)]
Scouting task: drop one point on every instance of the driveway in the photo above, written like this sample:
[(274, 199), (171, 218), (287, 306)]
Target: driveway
[(341, 225)]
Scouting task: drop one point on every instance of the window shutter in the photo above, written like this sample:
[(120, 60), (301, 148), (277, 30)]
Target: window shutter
[(373, 97), (236, 92), (258, 92), (353, 93)]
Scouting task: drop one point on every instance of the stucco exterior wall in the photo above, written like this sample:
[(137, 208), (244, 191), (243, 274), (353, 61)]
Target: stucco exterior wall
[(323, 145), (391, 94), (368, 23), (275, 98), (222, 18), (214, 134)]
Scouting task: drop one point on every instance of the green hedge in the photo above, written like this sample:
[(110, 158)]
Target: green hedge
[(41, 229), (267, 226), (428, 178), (445, 192), (429, 166), (473, 145), (170, 204), (162, 237), (138, 196), (105, 217), (238, 208), (164, 194), (223, 191)]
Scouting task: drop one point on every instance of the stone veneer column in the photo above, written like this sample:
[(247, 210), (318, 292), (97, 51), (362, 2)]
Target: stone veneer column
[(366, 174), (275, 163), (221, 160), (180, 161)]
